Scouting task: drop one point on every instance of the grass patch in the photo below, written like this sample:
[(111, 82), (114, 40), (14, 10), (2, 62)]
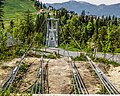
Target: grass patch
[(68, 47), (51, 56), (5, 67), (13, 8), (100, 60), (23, 67), (11, 52), (105, 61), (80, 58)]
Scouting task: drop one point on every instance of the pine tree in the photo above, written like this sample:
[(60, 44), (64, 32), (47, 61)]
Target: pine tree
[(83, 13), (1, 8), (41, 5), (27, 27), (37, 4)]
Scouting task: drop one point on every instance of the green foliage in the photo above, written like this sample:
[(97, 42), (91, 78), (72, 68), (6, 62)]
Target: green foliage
[(105, 42), (80, 58), (117, 50), (69, 47), (7, 53), (105, 61), (40, 23), (19, 51), (74, 21), (50, 56), (103, 32), (23, 67), (23, 33), (115, 39), (26, 28), (7, 93)]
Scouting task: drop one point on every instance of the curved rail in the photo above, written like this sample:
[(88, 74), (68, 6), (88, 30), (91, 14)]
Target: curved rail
[(78, 82), (107, 84)]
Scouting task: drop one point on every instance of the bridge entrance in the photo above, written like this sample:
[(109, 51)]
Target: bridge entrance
[(52, 32)]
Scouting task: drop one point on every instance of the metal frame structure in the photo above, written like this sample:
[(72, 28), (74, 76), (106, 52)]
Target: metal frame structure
[(52, 32)]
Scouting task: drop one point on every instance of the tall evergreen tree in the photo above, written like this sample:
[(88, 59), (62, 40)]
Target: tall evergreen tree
[(83, 13), (27, 27), (1, 8)]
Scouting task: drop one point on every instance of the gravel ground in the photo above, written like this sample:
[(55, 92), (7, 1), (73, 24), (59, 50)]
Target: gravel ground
[(59, 77), (29, 77), (114, 76)]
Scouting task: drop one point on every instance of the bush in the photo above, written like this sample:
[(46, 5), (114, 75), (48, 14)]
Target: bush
[(23, 67), (19, 52), (80, 58), (117, 50)]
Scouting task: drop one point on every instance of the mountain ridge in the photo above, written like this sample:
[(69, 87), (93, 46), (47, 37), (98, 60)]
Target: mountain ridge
[(93, 9)]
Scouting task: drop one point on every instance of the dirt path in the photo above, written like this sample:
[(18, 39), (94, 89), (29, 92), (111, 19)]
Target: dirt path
[(59, 77), (112, 73), (114, 76), (29, 77)]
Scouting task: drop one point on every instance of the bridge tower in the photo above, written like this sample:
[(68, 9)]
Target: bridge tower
[(52, 32)]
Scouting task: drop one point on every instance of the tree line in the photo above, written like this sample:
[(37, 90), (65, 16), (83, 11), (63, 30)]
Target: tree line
[(89, 31), (25, 31)]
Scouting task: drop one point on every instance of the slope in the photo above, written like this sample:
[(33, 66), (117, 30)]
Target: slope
[(13, 8)]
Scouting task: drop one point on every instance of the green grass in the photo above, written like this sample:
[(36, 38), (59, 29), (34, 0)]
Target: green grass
[(14, 8), (80, 58), (99, 60), (68, 47), (105, 61)]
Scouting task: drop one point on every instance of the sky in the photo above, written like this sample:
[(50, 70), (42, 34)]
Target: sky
[(97, 2)]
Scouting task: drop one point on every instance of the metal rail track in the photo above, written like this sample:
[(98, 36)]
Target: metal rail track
[(37, 87), (6, 84), (39, 82), (78, 82), (107, 84)]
